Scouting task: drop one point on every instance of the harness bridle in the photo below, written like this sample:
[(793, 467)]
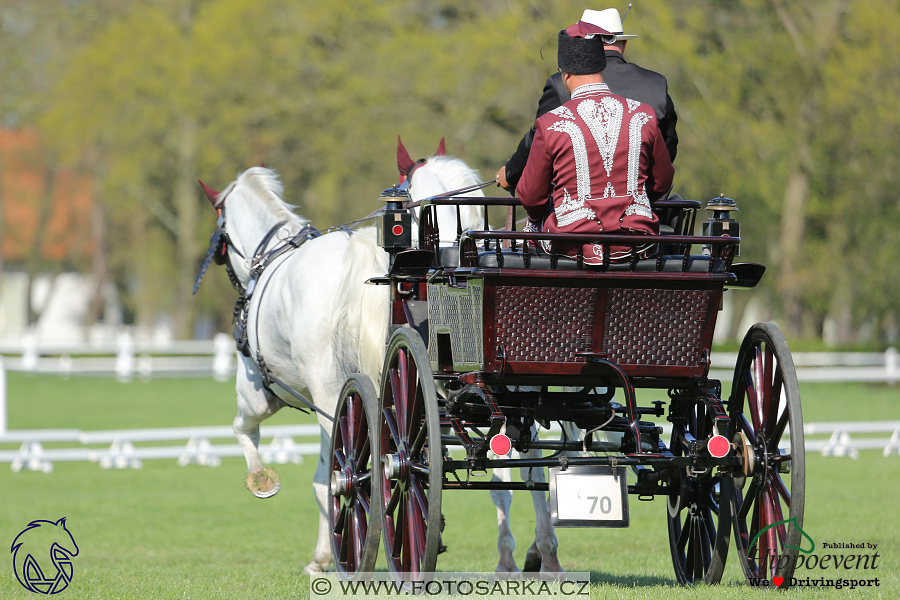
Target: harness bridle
[(257, 263)]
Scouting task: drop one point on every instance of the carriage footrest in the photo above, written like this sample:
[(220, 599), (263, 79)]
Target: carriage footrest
[(588, 496)]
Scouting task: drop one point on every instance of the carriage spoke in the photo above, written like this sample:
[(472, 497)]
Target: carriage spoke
[(685, 533), (339, 522), (363, 452), (339, 457), (782, 490), (415, 448), (360, 528), (772, 443), (744, 510), (352, 423), (778, 516), (399, 530), (752, 404), (345, 437), (391, 505), (396, 392), (746, 427), (771, 416), (392, 427), (765, 385), (416, 539), (416, 492), (362, 498), (412, 398), (401, 400)]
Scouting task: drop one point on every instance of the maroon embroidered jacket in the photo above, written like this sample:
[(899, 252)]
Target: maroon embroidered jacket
[(596, 164)]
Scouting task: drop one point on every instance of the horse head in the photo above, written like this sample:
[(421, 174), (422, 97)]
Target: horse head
[(245, 219), (436, 175)]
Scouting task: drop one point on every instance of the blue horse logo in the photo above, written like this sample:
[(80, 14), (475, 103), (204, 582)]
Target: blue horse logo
[(42, 556)]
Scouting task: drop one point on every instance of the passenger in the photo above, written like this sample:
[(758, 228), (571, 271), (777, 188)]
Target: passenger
[(623, 78), (598, 161)]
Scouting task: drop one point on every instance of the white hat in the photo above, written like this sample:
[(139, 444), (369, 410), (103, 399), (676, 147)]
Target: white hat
[(609, 20)]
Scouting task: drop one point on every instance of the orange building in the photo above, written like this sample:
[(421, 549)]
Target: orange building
[(36, 196)]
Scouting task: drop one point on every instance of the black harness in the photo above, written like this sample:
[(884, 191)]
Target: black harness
[(219, 244)]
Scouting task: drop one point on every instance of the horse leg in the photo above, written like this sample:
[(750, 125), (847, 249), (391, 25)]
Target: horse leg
[(541, 555), (255, 404), (322, 478), (506, 544)]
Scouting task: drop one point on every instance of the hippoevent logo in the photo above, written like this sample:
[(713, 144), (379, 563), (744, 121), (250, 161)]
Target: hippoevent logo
[(42, 556), (806, 558)]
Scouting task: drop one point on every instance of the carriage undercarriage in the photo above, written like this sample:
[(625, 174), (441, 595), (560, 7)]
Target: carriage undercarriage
[(492, 340)]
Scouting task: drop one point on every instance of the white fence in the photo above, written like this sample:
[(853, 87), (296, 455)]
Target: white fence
[(122, 452), (127, 359)]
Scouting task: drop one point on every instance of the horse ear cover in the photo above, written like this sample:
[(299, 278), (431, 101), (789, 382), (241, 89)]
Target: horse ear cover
[(404, 161)]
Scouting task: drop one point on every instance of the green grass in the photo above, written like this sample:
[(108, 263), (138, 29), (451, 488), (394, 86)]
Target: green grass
[(195, 532)]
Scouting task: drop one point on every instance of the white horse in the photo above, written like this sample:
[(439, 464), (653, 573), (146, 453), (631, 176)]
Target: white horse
[(311, 319), (437, 175)]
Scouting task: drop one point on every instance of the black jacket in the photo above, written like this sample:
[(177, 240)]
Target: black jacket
[(624, 79)]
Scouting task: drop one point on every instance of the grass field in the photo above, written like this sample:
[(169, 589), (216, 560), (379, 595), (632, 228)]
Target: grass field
[(194, 532)]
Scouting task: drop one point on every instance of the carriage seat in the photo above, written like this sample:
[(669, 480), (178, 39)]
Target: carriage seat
[(670, 264), (515, 260)]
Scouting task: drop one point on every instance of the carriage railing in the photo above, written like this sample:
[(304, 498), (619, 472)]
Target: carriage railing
[(720, 248), (675, 213)]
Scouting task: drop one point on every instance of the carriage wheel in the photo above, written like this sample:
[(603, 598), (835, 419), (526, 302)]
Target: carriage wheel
[(411, 469), (694, 515), (767, 426), (355, 531)]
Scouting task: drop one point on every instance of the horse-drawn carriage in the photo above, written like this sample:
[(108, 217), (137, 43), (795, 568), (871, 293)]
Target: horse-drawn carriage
[(492, 337)]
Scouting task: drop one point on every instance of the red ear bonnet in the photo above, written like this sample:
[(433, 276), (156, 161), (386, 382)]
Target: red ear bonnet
[(442, 150), (404, 161), (212, 194)]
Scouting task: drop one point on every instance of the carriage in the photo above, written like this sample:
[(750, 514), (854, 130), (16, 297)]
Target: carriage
[(491, 338)]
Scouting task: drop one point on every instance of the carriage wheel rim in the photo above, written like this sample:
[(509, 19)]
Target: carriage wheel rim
[(409, 420), (765, 386), (354, 533)]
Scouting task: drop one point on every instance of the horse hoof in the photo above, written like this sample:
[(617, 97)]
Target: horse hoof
[(264, 483), (532, 561), (313, 568)]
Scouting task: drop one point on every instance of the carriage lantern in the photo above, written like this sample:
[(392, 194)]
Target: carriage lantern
[(720, 224), (394, 223)]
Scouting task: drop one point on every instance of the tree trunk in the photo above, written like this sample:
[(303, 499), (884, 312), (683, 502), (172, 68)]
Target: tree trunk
[(793, 226), (99, 269), (187, 209)]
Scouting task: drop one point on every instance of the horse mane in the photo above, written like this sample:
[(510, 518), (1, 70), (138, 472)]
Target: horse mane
[(268, 187), (454, 168)]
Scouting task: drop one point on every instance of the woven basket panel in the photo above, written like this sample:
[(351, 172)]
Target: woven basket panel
[(542, 324), (655, 327), (458, 313)]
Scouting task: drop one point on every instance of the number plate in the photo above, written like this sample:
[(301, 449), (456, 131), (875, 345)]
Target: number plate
[(588, 497)]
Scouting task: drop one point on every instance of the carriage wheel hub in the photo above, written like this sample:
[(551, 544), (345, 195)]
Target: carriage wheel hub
[(341, 482), (396, 466)]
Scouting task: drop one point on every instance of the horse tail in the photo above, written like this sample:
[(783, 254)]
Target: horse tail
[(362, 315)]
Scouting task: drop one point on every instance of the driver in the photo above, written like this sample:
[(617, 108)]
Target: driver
[(623, 78), (597, 161)]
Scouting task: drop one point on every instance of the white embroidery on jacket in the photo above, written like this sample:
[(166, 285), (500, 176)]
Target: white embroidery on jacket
[(641, 204), (564, 112), (610, 191), (632, 104), (604, 119), (590, 88), (572, 210)]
